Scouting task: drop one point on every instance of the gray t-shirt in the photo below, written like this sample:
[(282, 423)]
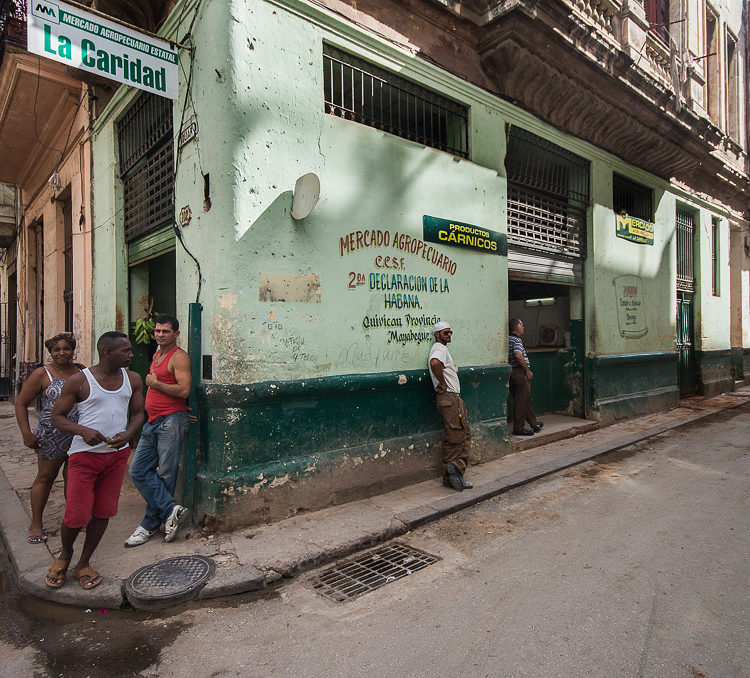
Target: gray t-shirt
[(450, 371)]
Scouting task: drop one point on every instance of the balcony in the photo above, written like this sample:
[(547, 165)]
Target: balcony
[(38, 99)]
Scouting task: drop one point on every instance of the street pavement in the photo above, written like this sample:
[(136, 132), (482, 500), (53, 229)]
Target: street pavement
[(251, 558)]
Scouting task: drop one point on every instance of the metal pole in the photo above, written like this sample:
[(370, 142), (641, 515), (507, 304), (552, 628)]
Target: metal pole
[(194, 350)]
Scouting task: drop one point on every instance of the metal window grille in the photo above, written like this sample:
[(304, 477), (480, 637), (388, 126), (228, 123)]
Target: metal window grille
[(633, 198), (68, 257), (685, 250), (548, 190), (357, 90), (147, 164), (715, 256)]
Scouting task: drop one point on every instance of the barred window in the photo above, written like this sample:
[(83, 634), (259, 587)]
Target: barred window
[(147, 164), (357, 90), (632, 198), (548, 191)]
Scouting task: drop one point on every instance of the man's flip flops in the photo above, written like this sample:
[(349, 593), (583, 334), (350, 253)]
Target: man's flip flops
[(56, 574), (37, 538), (88, 578)]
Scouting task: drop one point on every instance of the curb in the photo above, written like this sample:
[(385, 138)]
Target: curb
[(31, 561)]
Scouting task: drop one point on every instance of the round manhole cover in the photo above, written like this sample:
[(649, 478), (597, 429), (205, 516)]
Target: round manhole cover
[(168, 582)]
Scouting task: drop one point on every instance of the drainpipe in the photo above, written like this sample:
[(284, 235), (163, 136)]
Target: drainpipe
[(17, 212), (194, 350)]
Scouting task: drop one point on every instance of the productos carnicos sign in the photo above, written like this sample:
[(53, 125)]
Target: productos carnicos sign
[(88, 41), (458, 234)]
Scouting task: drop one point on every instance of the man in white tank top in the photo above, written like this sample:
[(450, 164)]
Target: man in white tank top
[(110, 407)]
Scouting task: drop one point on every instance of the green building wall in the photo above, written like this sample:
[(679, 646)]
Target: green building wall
[(312, 400)]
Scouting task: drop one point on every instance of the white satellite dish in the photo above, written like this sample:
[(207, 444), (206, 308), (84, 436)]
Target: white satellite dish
[(306, 194)]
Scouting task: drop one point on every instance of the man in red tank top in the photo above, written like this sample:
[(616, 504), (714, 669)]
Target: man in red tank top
[(157, 458)]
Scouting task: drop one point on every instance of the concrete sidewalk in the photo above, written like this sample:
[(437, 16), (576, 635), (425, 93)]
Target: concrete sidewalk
[(249, 559)]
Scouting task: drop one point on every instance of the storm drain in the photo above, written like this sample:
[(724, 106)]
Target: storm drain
[(354, 578), (168, 582)]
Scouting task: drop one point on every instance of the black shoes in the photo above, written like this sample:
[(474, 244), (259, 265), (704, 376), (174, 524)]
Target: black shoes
[(525, 432), (455, 479), (539, 426)]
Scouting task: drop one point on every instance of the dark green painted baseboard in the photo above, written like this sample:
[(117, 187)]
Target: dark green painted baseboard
[(714, 371), (282, 446), (628, 385)]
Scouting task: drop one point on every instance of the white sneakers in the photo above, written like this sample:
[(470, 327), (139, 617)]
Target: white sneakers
[(176, 518), (178, 515), (140, 536)]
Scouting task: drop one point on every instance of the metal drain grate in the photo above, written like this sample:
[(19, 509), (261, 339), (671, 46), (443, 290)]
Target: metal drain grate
[(354, 578)]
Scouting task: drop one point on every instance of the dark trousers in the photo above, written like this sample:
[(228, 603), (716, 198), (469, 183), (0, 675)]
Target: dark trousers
[(457, 439), (520, 389)]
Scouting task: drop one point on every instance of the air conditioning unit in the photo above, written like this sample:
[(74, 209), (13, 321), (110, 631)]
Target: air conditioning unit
[(548, 335)]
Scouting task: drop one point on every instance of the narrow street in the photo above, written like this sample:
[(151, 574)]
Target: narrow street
[(635, 565)]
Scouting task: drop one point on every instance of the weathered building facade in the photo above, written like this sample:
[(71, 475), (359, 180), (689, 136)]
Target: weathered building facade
[(581, 166), (44, 115)]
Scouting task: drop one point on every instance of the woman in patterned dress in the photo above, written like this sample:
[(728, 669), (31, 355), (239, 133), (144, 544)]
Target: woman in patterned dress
[(50, 444)]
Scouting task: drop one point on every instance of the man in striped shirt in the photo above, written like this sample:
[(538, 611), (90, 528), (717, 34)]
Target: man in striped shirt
[(520, 383)]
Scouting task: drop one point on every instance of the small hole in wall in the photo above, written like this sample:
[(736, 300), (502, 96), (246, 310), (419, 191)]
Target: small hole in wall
[(206, 193), (208, 368)]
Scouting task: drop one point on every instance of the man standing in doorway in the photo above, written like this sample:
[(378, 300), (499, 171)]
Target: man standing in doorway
[(156, 461), (457, 439), (98, 454), (520, 383)]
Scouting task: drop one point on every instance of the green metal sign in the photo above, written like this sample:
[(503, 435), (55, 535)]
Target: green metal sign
[(458, 234), (635, 230)]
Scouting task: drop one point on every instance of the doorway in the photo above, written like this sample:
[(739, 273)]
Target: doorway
[(553, 338)]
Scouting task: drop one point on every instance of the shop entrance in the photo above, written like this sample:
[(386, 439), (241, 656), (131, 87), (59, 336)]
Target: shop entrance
[(553, 337), (152, 287)]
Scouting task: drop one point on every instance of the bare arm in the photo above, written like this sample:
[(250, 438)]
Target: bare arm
[(437, 370), (70, 395), (180, 364), (137, 413), (524, 365), (32, 387)]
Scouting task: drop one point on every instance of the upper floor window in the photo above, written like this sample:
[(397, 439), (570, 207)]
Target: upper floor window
[(360, 91), (657, 15), (632, 198), (733, 88), (713, 87)]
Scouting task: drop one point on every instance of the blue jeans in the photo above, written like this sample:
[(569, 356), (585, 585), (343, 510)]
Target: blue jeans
[(155, 465)]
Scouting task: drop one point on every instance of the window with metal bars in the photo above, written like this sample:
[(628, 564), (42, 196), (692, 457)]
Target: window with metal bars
[(715, 234), (147, 164), (548, 190), (67, 210), (632, 198), (357, 90), (685, 226)]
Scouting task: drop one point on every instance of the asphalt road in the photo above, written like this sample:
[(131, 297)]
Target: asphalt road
[(635, 565)]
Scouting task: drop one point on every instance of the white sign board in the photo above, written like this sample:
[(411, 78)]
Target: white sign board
[(92, 43)]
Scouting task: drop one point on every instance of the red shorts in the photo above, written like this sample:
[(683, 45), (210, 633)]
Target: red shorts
[(94, 483)]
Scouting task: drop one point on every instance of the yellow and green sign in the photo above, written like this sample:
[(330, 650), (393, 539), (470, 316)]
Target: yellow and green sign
[(458, 234), (634, 229)]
